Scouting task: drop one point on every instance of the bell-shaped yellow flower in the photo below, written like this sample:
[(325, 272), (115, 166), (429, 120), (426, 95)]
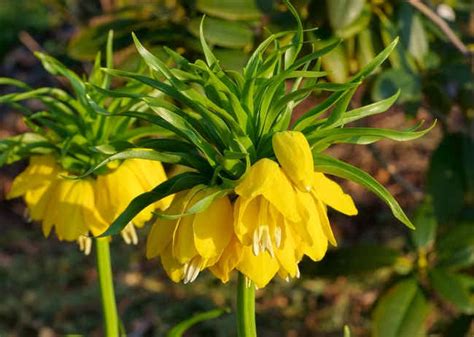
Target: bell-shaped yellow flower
[(76, 208), (294, 155), (276, 223), (187, 244), (116, 189)]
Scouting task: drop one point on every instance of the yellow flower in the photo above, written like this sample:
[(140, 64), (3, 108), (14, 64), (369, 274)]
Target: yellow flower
[(76, 208), (193, 242), (116, 189), (280, 214), (68, 205), (275, 225), (294, 155)]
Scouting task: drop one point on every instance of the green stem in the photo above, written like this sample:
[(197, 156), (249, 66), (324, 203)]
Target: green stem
[(104, 269), (245, 308)]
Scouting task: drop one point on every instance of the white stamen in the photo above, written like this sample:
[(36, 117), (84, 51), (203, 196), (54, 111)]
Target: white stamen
[(298, 274), (256, 243), (262, 241), (277, 236), (192, 269), (268, 242), (85, 244), (129, 234), (248, 282)]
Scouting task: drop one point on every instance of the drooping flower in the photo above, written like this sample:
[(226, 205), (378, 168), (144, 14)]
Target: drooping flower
[(77, 207), (280, 214), (190, 243), (275, 225), (116, 189)]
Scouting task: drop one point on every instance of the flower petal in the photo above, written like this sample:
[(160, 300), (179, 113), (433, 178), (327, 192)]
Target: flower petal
[(294, 155), (213, 228), (260, 269), (41, 171), (161, 233), (173, 268), (230, 258), (330, 193)]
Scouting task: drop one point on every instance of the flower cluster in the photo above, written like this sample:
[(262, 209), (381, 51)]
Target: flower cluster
[(255, 195), (279, 216), (77, 207), (74, 134)]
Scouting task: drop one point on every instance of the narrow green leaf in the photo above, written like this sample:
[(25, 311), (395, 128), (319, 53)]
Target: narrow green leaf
[(210, 57), (198, 207), (329, 165), (321, 139), (376, 62), (170, 158), (297, 42), (340, 108), (182, 327), (359, 113), (173, 185)]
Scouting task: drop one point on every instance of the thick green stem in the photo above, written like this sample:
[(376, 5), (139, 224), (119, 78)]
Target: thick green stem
[(104, 269), (246, 308)]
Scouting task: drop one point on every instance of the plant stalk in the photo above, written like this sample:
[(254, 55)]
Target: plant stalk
[(246, 326), (109, 307)]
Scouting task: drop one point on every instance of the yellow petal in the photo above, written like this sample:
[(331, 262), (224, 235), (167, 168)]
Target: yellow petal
[(245, 218), (113, 195), (330, 193), (323, 216), (150, 174), (96, 224), (41, 171), (173, 268), (36, 200), (161, 233), (230, 258), (213, 228), (287, 255), (103, 198), (259, 178), (159, 237), (316, 242), (266, 178), (260, 269), (183, 244), (68, 219), (294, 155)]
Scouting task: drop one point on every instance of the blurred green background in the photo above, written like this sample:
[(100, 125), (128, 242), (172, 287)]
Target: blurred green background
[(382, 280)]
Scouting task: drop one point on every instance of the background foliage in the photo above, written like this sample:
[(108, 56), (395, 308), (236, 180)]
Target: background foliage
[(388, 282)]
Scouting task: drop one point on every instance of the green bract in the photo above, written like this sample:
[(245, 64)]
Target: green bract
[(73, 126), (224, 120)]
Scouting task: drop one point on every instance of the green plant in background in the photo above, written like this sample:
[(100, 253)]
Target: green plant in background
[(429, 278), (233, 27), (34, 17)]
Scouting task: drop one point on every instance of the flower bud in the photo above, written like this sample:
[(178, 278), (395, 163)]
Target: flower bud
[(294, 155)]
